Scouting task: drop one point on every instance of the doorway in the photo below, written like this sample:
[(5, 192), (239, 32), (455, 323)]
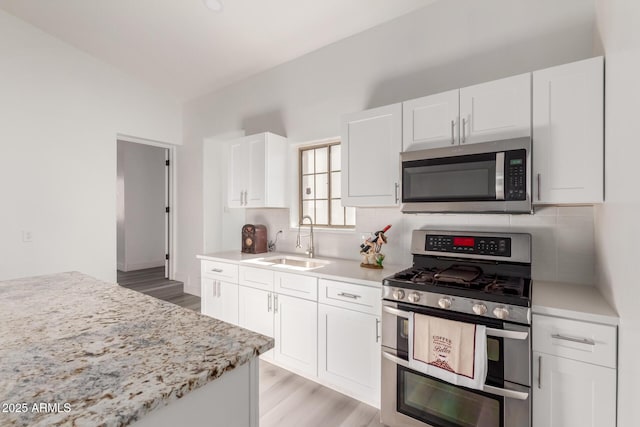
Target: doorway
[(143, 210)]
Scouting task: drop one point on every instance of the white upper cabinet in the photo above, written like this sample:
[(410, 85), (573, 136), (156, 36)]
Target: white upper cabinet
[(500, 109), (431, 121), (257, 172), (568, 142), (371, 144)]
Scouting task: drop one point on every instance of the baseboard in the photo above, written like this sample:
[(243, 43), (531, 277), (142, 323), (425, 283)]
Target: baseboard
[(142, 265)]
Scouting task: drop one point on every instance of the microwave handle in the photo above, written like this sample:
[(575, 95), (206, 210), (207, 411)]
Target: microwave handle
[(500, 175)]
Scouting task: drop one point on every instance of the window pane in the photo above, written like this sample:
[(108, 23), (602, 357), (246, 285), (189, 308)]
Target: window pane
[(321, 159), (308, 209), (322, 186), (335, 185), (307, 161), (337, 213), (335, 158), (351, 216), (308, 187), (322, 212)]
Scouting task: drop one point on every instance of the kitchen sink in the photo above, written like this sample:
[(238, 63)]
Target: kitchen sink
[(291, 262)]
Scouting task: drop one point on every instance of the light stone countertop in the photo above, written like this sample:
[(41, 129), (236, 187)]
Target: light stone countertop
[(111, 353), (579, 302), (338, 269)]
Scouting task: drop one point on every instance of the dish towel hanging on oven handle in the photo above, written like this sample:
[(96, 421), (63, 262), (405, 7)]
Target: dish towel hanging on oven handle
[(455, 352)]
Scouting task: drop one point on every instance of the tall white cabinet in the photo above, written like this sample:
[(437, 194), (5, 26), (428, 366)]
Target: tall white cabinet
[(257, 172), (568, 138), (371, 144), (574, 373)]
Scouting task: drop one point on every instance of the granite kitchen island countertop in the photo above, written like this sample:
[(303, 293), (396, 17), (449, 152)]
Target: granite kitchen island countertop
[(95, 353)]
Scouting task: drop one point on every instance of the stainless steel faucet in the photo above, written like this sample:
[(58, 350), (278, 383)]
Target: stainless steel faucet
[(309, 251)]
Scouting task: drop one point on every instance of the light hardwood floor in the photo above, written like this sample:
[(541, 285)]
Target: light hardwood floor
[(286, 399)]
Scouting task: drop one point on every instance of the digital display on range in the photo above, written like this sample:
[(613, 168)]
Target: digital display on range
[(467, 242)]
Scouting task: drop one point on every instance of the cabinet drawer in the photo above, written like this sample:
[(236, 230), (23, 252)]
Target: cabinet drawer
[(219, 270), (296, 285), (348, 295), (583, 341), (259, 278)]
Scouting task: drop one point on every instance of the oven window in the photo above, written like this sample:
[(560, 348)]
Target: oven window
[(444, 405)]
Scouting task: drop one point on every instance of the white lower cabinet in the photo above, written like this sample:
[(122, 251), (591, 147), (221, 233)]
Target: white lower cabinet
[(220, 300), (574, 373), (296, 323), (568, 393), (349, 352)]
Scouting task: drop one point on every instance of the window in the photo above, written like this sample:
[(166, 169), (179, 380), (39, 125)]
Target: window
[(320, 187)]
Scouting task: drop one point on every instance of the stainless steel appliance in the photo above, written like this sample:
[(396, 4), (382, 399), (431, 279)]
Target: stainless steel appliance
[(479, 278), (485, 177)]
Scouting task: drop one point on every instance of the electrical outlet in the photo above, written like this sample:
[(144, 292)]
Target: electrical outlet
[(27, 236)]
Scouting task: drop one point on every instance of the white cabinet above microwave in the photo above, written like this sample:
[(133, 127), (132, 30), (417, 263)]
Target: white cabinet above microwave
[(257, 172), (495, 110)]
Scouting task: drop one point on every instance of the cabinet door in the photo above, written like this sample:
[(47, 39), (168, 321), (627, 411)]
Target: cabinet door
[(349, 352), (371, 144), (568, 162), (236, 174), (568, 393), (255, 169), (227, 302), (500, 109), (207, 296), (296, 322), (255, 310), (431, 121)]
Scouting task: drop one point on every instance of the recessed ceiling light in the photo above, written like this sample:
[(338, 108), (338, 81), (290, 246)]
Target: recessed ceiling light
[(215, 5)]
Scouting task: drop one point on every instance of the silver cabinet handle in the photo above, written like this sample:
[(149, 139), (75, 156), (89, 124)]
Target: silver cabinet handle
[(269, 302), (217, 270), (464, 126), (219, 285), (246, 202), (538, 186), (539, 371), (453, 125), (377, 329), (397, 185), (275, 303), (241, 199), (213, 289), (578, 340), (348, 295)]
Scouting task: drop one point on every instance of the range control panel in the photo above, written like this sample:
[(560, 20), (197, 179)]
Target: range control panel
[(473, 245)]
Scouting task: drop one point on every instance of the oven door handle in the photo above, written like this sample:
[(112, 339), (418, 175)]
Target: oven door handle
[(511, 394), (491, 332)]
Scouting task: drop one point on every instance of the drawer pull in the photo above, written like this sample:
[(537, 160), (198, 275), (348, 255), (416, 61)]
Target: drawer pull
[(539, 371), (217, 270), (348, 295), (578, 340)]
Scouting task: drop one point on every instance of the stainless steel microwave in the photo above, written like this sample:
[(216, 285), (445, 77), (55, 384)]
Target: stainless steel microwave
[(489, 177)]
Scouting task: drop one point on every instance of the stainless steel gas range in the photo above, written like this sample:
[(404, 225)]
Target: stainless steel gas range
[(478, 278)]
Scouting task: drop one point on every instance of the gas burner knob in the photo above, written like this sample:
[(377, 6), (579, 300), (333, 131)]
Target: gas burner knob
[(414, 297), (444, 302), (398, 294), (501, 312), (479, 309)]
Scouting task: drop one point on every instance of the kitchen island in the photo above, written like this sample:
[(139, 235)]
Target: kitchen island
[(78, 351)]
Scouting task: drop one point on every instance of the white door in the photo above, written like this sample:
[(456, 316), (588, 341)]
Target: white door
[(227, 302), (236, 176), (371, 144), (349, 351), (296, 326), (500, 109), (431, 121), (568, 155), (568, 393), (255, 169)]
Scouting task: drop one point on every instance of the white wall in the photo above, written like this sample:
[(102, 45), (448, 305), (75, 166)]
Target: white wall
[(618, 220), (445, 45), (142, 227), (61, 111)]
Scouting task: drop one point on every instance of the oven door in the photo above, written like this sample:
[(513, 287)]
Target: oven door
[(410, 398)]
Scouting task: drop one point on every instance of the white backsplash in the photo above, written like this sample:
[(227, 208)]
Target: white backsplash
[(563, 237)]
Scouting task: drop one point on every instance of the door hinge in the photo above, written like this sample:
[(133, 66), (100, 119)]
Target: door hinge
[(166, 162), (166, 209), (166, 256)]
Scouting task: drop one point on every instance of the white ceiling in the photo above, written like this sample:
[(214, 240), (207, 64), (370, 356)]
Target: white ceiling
[(184, 48)]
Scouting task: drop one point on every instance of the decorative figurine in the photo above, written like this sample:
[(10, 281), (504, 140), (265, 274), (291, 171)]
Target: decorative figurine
[(370, 249)]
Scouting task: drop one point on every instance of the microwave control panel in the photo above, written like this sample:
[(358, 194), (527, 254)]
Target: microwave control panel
[(515, 175), (495, 246)]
